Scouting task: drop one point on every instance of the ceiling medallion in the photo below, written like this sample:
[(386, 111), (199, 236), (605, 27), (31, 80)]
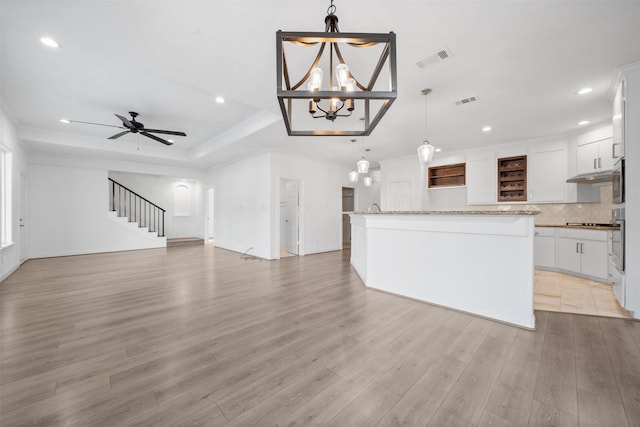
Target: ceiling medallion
[(344, 91)]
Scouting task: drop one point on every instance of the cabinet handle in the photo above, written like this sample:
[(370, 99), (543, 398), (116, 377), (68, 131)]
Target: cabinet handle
[(599, 162), (577, 246), (595, 162), (581, 248)]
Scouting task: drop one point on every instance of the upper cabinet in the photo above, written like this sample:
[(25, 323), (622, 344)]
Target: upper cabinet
[(481, 178), (619, 109), (595, 151), (547, 176)]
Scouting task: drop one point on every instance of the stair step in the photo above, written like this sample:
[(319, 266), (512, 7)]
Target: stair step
[(185, 241)]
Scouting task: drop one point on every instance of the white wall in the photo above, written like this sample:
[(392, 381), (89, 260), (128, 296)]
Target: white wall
[(243, 207), (400, 184), (247, 207), (68, 208), (10, 256), (160, 190), (320, 200)]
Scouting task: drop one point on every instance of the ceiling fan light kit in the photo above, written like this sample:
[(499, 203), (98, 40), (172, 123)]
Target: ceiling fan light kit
[(340, 95)]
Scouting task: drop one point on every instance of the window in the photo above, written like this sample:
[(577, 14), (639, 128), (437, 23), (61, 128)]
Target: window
[(5, 196)]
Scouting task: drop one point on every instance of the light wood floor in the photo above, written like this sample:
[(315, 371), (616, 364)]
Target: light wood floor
[(198, 336), (571, 294)]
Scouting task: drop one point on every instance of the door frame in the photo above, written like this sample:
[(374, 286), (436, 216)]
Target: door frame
[(209, 212), (23, 214), (284, 179)]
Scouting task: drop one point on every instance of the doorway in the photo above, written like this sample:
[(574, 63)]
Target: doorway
[(209, 224), (23, 217), (348, 203), (289, 217)]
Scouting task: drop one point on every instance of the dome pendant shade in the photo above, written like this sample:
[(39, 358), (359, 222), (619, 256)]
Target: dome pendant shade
[(353, 176), (425, 152), (367, 181), (363, 165)]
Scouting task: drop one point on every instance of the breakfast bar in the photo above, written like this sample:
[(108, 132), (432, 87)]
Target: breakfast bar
[(480, 262)]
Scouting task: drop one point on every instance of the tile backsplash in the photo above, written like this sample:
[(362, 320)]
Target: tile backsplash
[(560, 213)]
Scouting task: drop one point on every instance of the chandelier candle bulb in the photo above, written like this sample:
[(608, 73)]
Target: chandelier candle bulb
[(342, 75)]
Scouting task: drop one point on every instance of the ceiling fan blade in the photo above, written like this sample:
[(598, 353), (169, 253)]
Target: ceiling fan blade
[(126, 121), (157, 138), (118, 135), (99, 124), (167, 132)]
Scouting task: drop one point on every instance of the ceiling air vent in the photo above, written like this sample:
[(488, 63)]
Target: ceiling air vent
[(466, 100), (440, 55)]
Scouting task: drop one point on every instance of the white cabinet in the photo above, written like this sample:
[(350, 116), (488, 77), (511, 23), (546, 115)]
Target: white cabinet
[(594, 156), (583, 252), (481, 179), (544, 249), (546, 175)]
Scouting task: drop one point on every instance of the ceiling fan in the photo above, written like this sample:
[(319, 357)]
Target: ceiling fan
[(134, 126)]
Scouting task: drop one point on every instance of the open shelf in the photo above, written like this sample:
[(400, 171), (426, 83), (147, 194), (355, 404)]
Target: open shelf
[(447, 176), (512, 179)]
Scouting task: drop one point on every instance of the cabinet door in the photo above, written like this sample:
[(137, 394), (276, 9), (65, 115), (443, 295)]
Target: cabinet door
[(594, 259), (568, 254), (481, 181), (605, 154), (544, 251), (587, 157), (546, 173)]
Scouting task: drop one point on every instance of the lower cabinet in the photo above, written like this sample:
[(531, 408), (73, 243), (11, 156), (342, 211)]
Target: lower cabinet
[(583, 252), (544, 248)]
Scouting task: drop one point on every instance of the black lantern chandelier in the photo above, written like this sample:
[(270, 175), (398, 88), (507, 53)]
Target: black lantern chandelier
[(344, 93)]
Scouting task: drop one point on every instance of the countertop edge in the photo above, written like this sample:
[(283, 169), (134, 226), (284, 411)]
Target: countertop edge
[(450, 212)]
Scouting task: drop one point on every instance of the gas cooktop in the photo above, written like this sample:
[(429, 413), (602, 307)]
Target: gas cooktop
[(591, 224)]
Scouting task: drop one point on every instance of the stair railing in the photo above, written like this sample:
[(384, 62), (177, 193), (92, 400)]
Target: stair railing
[(128, 203)]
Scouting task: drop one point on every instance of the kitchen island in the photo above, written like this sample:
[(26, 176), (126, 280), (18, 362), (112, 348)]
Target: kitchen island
[(479, 262)]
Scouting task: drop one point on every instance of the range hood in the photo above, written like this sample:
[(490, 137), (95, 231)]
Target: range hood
[(592, 177)]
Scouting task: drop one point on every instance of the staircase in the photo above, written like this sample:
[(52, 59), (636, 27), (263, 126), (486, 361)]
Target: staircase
[(126, 203)]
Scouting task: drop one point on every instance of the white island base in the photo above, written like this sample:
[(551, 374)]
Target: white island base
[(475, 261)]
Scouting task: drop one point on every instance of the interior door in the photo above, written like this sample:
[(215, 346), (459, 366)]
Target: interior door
[(23, 217), (291, 220), (210, 206)]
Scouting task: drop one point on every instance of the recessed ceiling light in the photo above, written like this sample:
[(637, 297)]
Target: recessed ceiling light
[(486, 129), (583, 122), (48, 41), (219, 100), (584, 90), (438, 150), (65, 121)]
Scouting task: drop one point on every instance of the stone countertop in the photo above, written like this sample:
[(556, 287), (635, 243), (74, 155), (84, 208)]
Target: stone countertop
[(579, 227), (453, 212)]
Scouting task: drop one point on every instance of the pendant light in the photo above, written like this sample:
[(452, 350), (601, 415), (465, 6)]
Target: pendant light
[(367, 181), (426, 150), (353, 175), (363, 164)]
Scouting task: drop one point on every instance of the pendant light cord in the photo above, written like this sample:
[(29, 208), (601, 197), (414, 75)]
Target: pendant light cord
[(425, 92)]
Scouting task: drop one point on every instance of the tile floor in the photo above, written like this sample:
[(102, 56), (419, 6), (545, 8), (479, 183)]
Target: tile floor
[(571, 294)]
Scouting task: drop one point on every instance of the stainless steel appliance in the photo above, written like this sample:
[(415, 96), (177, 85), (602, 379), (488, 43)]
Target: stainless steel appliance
[(617, 182), (617, 247)]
